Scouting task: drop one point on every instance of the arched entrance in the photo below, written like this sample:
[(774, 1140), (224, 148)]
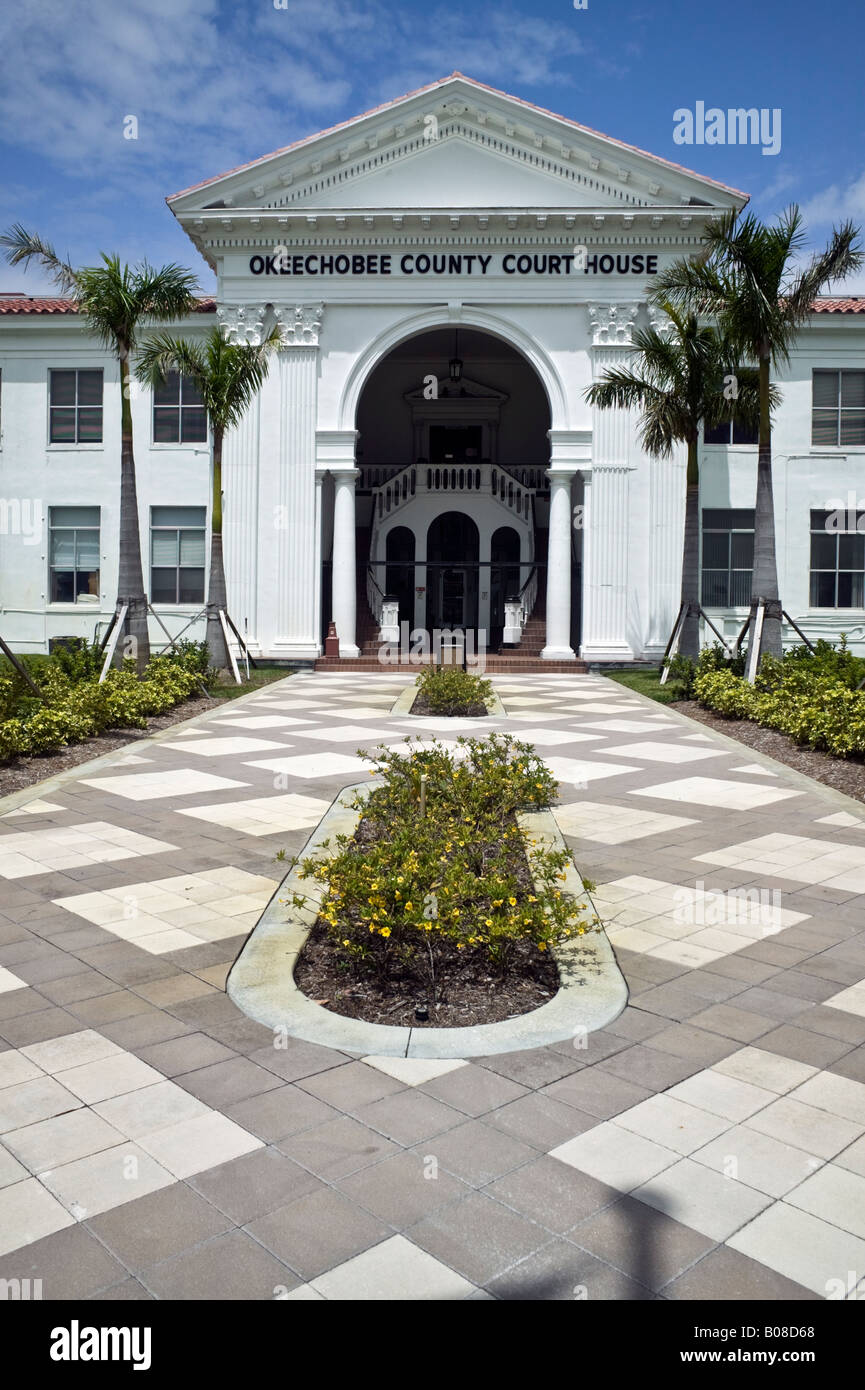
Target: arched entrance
[(453, 550), (399, 572), (451, 492)]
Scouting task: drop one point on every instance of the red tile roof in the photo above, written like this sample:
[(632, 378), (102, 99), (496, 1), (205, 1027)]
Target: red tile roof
[(47, 304), (431, 86), (854, 305)]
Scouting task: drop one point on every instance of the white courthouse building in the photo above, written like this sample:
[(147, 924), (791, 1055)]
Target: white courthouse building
[(450, 272)]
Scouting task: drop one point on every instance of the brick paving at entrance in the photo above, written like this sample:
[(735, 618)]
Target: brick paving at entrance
[(709, 1143)]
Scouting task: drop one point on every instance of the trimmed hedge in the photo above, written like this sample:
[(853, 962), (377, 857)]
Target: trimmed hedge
[(812, 698), (75, 710)]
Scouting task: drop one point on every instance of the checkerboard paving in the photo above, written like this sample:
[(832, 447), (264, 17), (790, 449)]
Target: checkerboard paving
[(688, 925), (263, 815), (170, 914), (796, 857), (153, 786), (71, 847), (613, 824), (156, 1143), (86, 1127), (703, 1154)]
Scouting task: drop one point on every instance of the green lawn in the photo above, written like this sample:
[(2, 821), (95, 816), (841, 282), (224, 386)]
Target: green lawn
[(646, 682), (227, 689)]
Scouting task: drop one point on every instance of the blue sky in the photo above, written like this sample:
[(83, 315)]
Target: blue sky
[(215, 84)]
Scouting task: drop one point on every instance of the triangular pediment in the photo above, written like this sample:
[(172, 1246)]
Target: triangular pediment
[(447, 390), (455, 144)]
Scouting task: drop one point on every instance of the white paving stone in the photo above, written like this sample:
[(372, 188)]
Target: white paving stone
[(413, 1071), (264, 815), (392, 1271), (614, 825), (800, 1246), (717, 791), (9, 981), (228, 747), (697, 1197), (615, 1155), (313, 765), (664, 752), (153, 786), (94, 842)]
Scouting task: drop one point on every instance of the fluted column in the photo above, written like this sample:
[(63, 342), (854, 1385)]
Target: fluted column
[(344, 605), (285, 420), (607, 519), (241, 521)]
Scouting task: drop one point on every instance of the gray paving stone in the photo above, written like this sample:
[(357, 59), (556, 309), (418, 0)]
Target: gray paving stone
[(248, 1187), (338, 1147), (646, 1244), (408, 1117), (158, 1226), (726, 1275), (561, 1272), (646, 1066), (478, 1237), (536, 1066), (551, 1193), (71, 1264), (351, 1086), (540, 1120), (406, 1187), (473, 1089), (225, 1083), (478, 1153), (231, 1267), (185, 1054), (802, 1045), (597, 1093), (314, 1233)]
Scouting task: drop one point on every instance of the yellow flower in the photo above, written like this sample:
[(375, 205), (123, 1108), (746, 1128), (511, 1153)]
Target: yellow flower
[(488, 922), (346, 943), (407, 907), (385, 931), (512, 901), (542, 945)]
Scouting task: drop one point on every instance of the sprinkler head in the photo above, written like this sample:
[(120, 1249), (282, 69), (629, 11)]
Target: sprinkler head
[(421, 1013)]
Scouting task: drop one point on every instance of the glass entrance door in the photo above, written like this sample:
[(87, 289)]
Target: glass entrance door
[(452, 598)]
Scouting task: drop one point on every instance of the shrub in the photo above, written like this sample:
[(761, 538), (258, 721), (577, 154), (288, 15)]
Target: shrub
[(811, 697), (73, 710), (406, 889), (453, 691)]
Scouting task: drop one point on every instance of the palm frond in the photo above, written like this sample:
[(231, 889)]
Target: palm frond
[(22, 246)]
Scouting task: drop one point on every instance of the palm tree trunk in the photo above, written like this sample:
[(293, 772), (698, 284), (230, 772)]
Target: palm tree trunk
[(689, 642), (130, 582), (764, 583), (216, 590)]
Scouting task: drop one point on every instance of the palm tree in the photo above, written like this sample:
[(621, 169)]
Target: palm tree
[(116, 302), (676, 381), (228, 375), (747, 279)]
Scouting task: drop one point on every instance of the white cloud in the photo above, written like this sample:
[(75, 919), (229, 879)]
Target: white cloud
[(837, 203)]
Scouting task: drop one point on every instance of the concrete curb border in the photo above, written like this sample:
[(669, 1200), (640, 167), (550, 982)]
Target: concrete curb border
[(261, 981), (406, 698)]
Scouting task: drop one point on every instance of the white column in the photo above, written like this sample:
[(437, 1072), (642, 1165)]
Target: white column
[(344, 606), (558, 646), (241, 522), (285, 539), (607, 518)]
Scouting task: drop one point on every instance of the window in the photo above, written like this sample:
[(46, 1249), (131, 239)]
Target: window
[(838, 407), (730, 432), (177, 554), (178, 412), (728, 557), (837, 560), (75, 408), (73, 553)]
